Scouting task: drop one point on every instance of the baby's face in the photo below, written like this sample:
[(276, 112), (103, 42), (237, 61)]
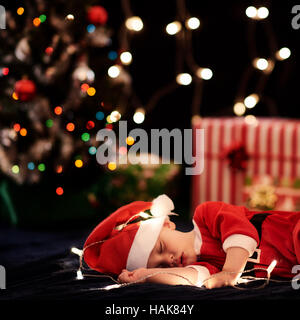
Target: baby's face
[(172, 249)]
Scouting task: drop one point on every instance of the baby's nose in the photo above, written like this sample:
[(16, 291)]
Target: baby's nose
[(171, 262)]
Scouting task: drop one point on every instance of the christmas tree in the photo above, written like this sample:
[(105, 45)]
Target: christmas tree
[(57, 91)]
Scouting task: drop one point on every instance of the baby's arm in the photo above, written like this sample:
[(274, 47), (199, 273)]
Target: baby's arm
[(236, 259), (173, 276)]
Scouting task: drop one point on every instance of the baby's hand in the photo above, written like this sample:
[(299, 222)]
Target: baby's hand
[(132, 276), (221, 279)]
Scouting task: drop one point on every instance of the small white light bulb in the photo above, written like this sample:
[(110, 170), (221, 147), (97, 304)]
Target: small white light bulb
[(173, 27), (271, 266), (113, 286), (70, 17), (76, 251), (184, 79), (192, 23), (262, 13), (139, 116), (251, 12), (261, 63), (251, 101), (126, 57), (204, 73), (79, 275), (134, 23), (114, 71), (239, 108), (283, 53)]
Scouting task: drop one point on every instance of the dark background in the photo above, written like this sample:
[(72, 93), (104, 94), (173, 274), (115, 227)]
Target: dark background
[(226, 42)]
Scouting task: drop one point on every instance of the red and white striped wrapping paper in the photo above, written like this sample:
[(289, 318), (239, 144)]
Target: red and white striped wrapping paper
[(273, 145)]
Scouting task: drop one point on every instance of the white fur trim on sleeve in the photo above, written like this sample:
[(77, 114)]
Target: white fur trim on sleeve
[(242, 241), (203, 274), (161, 206)]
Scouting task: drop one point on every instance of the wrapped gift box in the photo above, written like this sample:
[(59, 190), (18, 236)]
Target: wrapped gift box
[(236, 151)]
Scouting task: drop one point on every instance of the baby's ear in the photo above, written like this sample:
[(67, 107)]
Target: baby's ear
[(169, 224)]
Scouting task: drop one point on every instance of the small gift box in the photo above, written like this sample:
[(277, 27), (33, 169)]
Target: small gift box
[(268, 193)]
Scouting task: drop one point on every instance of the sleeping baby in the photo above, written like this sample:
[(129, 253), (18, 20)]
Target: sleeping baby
[(139, 243)]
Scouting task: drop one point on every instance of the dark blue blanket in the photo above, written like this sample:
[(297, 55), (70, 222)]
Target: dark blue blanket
[(40, 266)]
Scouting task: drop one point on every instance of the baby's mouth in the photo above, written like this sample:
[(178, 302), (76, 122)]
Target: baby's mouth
[(181, 259)]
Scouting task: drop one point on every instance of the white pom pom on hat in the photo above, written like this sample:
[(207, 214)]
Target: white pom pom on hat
[(162, 206)]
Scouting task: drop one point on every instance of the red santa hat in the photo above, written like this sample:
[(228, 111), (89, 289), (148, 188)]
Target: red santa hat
[(120, 243)]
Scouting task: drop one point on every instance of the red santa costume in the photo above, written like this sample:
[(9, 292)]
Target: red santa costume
[(273, 235), (123, 240)]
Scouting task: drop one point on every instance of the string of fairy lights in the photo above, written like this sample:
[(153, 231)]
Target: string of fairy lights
[(264, 65), (186, 72)]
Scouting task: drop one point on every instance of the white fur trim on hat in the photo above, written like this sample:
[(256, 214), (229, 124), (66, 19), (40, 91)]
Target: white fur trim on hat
[(143, 243), (148, 232), (162, 206)]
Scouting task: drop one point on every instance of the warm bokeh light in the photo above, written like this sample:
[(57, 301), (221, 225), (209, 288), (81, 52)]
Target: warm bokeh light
[(58, 110), (283, 53), (90, 125), (173, 27), (239, 108), (130, 140), (112, 166), (251, 100), (59, 169), (262, 13), (251, 12), (184, 79), (15, 169), (23, 132), (257, 14), (192, 23), (20, 11), (139, 116), (134, 23), (84, 87), (78, 163), (70, 17), (49, 51), (114, 71), (108, 119), (5, 71), (91, 91), (59, 191), (126, 57), (36, 22), (261, 63), (204, 73), (70, 126), (15, 96), (17, 127)]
